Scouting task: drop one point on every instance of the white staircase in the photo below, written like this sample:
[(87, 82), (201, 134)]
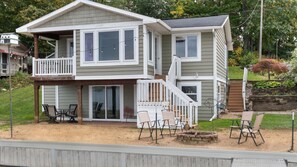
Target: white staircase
[(155, 95)]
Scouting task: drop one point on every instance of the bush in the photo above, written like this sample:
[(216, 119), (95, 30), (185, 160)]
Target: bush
[(248, 59), (266, 85), (269, 66)]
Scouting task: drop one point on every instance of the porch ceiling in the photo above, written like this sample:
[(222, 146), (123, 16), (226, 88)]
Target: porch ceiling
[(55, 34), (43, 81)]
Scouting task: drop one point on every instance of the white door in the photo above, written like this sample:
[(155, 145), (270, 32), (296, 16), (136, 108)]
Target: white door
[(158, 55)]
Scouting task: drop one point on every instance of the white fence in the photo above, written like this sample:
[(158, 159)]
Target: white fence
[(52, 66), (161, 93)]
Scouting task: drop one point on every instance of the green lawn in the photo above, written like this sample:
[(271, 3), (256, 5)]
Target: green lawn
[(237, 73), (22, 106), (270, 121)]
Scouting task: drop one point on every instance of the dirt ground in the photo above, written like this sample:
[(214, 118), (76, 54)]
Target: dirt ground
[(127, 134)]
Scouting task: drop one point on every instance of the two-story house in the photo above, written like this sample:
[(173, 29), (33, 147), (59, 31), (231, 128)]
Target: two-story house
[(113, 63)]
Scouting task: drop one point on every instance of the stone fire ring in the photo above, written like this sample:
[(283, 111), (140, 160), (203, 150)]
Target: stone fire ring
[(195, 137)]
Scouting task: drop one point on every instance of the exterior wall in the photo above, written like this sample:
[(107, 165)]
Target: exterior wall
[(205, 112), (151, 70), (205, 66), (86, 15), (110, 70), (14, 65), (221, 41), (166, 53), (62, 47), (129, 103), (49, 95)]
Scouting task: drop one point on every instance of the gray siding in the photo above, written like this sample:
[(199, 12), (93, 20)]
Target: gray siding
[(166, 53), (151, 70), (129, 100), (86, 15), (220, 48), (62, 47), (68, 95), (49, 95), (110, 70), (205, 66), (204, 111)]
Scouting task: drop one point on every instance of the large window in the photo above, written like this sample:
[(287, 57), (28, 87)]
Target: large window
[(109, 46), (192, 89), (88, 50), (188, 46)]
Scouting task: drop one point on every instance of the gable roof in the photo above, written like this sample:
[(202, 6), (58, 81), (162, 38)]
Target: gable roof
[(76, 4), (197, 22)]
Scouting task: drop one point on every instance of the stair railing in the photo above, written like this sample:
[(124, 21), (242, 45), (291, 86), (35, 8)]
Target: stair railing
[(159, 92), (174, 70)]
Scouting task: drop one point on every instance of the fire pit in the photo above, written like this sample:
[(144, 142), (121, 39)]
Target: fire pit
[(197, 137)]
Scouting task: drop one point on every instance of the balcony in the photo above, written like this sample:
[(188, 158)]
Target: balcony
[(53, 67)]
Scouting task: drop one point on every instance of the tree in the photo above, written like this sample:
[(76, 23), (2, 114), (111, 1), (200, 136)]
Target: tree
[(268, 66)]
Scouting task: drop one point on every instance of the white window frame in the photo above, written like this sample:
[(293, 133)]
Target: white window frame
[(193, 83), (152, 61), (185, 35), (121, 60)]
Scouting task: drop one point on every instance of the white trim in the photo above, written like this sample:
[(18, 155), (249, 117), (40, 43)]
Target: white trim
[(192, 83), (135, 99), (195, 28), (57, 49), (116, 77), (221, 80), (197, 78), (150, 62), (90, 103), (57, 96), (77, 4), (145, 51), (74, 52), (87, 26), (215, 73), (42, 97), (186, 58), (96, 37)]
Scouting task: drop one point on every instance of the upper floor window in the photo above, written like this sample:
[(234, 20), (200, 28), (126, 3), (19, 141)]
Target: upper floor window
[(150, 45), (109, 46), (187, 46)]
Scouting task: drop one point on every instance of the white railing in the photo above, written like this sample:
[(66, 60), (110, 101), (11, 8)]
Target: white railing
[(52, 66), (174, 70), (161, 93), (244, 82)]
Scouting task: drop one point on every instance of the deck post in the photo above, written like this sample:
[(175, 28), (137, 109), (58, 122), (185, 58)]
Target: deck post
[(79, 104), (36, 102), (36, 54)]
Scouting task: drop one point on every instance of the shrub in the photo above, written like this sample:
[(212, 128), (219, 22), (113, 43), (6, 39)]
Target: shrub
[(268, 66), (232, 62), (266, 85)]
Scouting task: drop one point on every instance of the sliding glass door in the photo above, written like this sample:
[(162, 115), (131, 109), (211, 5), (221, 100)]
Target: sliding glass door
[(106, 102)]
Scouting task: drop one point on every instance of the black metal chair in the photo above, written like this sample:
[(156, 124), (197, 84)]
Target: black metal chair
[(45, 107), (72, 113), (52, 113)]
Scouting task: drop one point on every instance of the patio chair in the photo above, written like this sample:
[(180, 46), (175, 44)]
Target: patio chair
[(255, 129), (52, 113), (72, 112), (245, 121), (97, 110), (144, 119), (45, 107), (170, 121)]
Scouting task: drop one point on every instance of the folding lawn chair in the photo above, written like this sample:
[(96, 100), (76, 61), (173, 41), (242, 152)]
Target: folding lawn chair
[(254, 130), (144, 118), (170, 121), (244, 122)]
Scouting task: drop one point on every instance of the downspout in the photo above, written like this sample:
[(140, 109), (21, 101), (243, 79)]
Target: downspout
[(214, 76)]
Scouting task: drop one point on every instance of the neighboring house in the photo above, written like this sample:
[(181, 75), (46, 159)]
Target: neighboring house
[(18, 58), (111, 62)]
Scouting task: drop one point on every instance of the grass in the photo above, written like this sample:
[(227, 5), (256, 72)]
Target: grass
[(22, 106), (270, 121), (237, 73)]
